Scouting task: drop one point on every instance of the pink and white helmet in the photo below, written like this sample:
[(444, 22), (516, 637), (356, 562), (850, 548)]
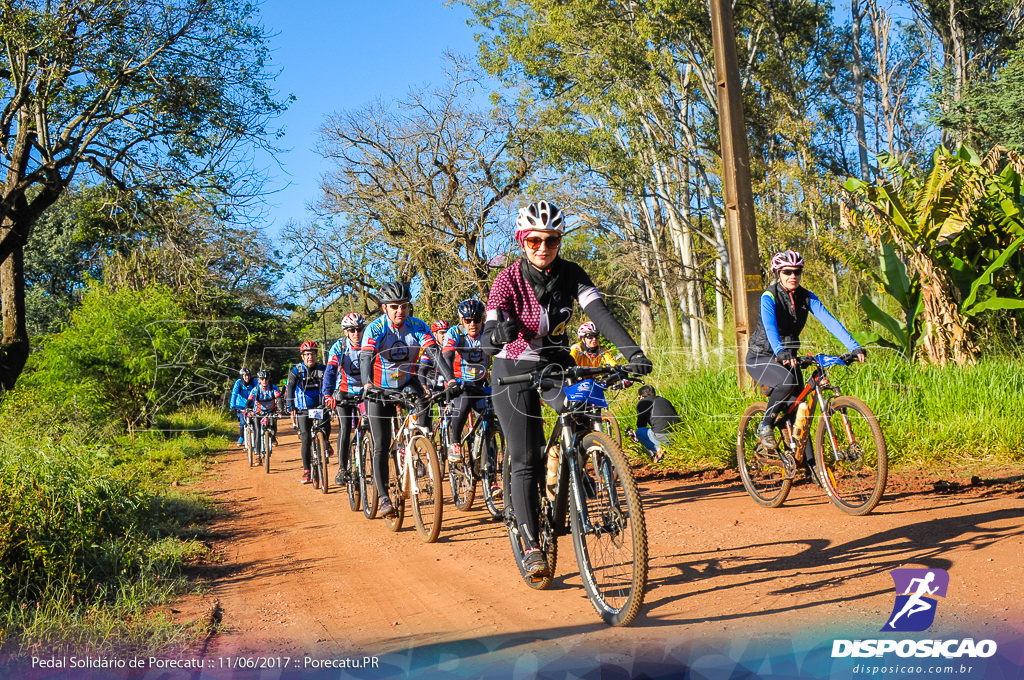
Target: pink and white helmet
[(539, 216), (353, 320), (789, 258), (585, 328)]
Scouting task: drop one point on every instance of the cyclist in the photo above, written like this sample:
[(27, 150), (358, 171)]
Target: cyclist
[(438, 329), (303, 392), (469, 364), (588, 351), (265, 397), (775, 342), (529, 307), (239, 393), (388, 359), (341, 379)]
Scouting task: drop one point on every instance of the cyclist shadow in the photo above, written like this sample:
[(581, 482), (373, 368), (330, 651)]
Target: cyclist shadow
[(822, 564)]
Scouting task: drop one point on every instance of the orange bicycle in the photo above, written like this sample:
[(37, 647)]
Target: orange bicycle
[(849, 460)]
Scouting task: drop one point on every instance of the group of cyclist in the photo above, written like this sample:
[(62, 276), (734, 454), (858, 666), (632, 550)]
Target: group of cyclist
[(523, 326)]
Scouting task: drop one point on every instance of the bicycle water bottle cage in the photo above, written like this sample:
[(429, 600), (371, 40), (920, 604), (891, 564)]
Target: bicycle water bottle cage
[(586, 392), (828, 361)]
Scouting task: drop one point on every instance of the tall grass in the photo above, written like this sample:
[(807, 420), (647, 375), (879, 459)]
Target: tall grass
[(92, 536), (960, 417)]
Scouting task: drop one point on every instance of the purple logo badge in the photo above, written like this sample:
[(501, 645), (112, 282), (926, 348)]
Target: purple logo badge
[(916, 590)]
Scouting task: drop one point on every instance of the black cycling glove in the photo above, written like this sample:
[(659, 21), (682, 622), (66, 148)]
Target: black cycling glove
[(785, 355), (639, 364), (504, 332), (860, 351)]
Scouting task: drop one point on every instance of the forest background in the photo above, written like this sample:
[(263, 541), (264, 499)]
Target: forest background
[(885, 145)]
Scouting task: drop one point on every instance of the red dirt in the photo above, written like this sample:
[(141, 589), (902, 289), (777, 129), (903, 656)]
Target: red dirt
[(299, 573)]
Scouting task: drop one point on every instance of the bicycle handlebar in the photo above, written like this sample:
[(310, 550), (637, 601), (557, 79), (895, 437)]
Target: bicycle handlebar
[(812, 359), (547, 375)]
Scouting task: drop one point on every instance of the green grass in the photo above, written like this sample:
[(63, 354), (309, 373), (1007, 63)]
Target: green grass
[(94, 536), (959, 417)]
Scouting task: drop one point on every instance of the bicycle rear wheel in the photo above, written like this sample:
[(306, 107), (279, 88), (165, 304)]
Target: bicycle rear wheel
[(367, 488), (321, 461), (494, 456), (352, 485), (548, 541), (853, 464), (610, 534), (762, 472), (395, 491), (427, 500)]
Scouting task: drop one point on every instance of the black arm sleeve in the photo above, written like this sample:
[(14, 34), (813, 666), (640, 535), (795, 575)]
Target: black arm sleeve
[(434, 352), (365, 365), (611, 328)]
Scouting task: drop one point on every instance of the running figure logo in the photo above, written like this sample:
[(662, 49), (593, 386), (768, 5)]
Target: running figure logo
[(915, 602)]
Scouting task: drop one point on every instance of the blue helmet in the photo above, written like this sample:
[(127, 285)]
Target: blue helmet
[(471, 309)]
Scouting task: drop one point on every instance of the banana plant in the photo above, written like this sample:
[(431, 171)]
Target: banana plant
[(905, 290)]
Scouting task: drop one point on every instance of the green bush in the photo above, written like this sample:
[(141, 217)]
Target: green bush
[(97, 372)]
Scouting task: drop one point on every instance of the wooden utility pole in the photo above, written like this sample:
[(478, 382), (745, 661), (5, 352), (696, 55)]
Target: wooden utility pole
[(739, 197)]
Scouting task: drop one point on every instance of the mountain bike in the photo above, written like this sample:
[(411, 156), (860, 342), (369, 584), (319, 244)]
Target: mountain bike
[(319, 419), (593, 485), (483, 449), (264, 442), (849, 459), (413, 468)]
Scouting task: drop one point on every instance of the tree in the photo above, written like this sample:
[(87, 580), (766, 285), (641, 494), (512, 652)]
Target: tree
[(414, 192), (162, 95), (960, 227)]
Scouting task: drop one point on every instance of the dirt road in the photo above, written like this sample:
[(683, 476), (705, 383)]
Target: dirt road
[(300, 575)]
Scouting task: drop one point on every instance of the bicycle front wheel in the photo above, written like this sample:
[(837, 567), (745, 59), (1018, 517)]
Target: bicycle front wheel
[(249, 437), (762, 472), (366, 486), (548, 542), (321, 461), (268, 446), (396, 492), (352, 484), (494, 456), (851, 455), (427, 499), (609, 533)]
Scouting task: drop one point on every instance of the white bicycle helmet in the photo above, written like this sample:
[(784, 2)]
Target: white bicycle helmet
[(585, 328), (789, 258), (353, 320), (539, 216)]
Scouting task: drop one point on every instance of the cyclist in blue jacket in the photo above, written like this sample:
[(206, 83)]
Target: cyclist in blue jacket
[(302, 393), (775, 342), (239, 393), (265, 397)]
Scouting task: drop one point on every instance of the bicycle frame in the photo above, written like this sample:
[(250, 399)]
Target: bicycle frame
[(818, 391)]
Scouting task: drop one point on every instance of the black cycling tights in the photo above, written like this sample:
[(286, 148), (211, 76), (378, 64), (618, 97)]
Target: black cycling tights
[(785, 382), (345, 415), (519, 412), (380, 416)]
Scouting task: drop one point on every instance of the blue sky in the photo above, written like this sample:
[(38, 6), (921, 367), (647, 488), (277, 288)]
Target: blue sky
[(339, 55)]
